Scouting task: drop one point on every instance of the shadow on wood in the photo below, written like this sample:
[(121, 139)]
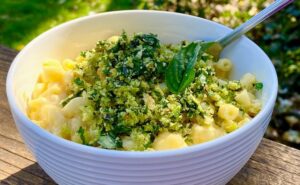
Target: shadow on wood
[(27, 176)]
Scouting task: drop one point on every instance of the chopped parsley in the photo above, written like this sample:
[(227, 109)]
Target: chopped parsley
[(110, 142), (259, 86), (78, 81), (82, 135)]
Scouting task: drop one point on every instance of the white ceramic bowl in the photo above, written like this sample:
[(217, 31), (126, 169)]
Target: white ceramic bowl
[(214, 162)]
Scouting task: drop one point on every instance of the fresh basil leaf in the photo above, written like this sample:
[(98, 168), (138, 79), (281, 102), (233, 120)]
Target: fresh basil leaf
[(180, 71), (188, 78)]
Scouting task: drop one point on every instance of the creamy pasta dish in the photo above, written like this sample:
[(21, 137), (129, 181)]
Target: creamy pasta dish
[(135, 93)]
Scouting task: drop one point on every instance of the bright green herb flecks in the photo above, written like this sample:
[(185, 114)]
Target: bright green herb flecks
[(259, 86), (108, 141), (136, 88), (82, 136)]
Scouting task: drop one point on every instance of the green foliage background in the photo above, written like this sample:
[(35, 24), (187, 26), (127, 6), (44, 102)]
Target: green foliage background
[(279, 37)]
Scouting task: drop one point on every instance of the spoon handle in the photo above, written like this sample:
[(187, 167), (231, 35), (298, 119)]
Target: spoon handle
[(261, 16)]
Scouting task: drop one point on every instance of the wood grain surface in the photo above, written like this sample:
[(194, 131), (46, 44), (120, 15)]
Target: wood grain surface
[(271, 164)]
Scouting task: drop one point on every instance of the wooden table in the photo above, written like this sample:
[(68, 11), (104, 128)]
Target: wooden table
[(272, 163)]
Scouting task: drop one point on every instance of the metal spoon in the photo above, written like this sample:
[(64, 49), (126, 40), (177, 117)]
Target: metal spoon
[(215, 48)]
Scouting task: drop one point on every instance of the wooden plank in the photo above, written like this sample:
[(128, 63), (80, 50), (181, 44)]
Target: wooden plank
[(19, 162), (6, 55), (7, 127), (272, 163), (22, 174), (14, 160), (7, 179), (15, 147)]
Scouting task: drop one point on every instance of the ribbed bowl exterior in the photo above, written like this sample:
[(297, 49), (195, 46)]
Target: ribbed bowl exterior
[(68, 163), (214, 166)]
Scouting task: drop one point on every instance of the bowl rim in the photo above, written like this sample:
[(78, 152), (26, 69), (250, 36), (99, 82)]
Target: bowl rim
[(17, 113)]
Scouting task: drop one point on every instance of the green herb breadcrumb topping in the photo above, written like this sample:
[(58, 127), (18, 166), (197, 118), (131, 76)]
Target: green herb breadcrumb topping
[(129, 103)]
